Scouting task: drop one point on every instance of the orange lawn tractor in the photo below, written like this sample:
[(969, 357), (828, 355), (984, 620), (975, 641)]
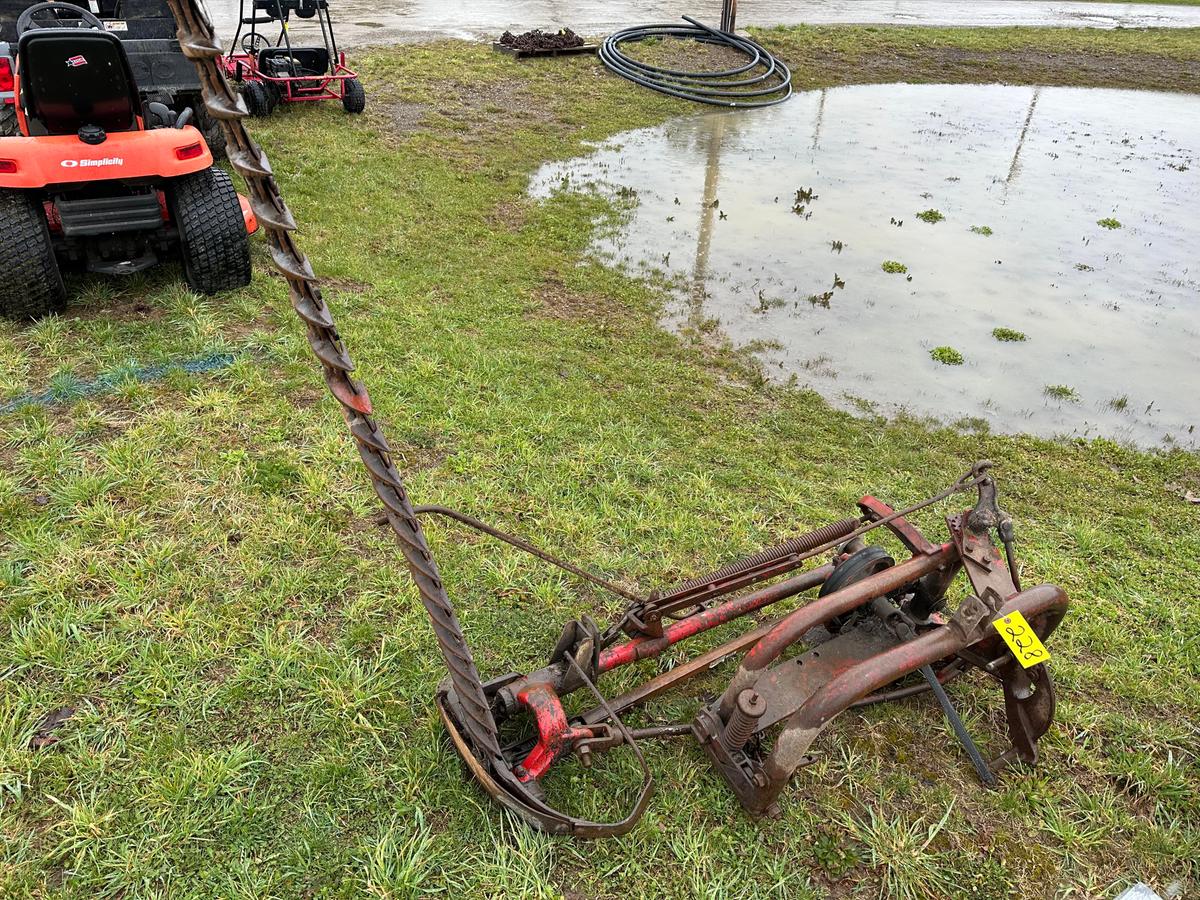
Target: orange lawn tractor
[(97, 181)]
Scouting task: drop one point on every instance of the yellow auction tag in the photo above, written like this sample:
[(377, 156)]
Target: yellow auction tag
[(1021, 640)]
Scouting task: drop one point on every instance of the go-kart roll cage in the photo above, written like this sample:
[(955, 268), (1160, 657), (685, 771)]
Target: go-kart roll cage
[(299, 83), (874, 621)]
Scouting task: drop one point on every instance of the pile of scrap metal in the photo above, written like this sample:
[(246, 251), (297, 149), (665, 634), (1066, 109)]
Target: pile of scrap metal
[(874, 620)]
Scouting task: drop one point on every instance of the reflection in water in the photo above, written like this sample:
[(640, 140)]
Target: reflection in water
[(1112, 315)]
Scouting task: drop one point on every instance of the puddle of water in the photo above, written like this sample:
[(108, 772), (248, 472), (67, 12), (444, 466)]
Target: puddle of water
[(1111, 316)]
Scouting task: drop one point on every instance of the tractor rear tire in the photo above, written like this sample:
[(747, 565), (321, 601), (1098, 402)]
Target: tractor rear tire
[(212, 233), (30, 283), (258, 99), (8, 121), (354, 98)]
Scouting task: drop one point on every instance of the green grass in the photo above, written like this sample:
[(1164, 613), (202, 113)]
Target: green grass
[(984, 230), (947, 356), (1063, 392), (195, 565), (932, 216), (1109, 223), (1009, 335), (892, 267)]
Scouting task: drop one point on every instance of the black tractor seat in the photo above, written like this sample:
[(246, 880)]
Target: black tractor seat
[(73, 77), (282, 62)]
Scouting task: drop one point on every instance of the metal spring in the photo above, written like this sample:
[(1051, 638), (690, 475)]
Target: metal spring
[(791, 547), (746, 715)]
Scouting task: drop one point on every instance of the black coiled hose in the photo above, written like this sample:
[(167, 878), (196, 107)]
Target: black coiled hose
[(762, 81)]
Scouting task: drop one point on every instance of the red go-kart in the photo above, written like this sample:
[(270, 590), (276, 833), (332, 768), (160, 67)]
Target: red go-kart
[(96, 181), (274, 73)]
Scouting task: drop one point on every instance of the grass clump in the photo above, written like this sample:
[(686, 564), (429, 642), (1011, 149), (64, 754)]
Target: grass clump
[(985, 230), (932, 216), (1110, 223), (1009, 335), (947, 356), (1062, 392), (892, 267)]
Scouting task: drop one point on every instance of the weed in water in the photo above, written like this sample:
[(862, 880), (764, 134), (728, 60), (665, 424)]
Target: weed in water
[(1109, 223), (1063, 392), (1008, 335), (932, 216), (985, 230), (947, 356), (894, 268)]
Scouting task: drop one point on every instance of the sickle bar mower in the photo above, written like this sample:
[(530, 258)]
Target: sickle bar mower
[(874, 620)]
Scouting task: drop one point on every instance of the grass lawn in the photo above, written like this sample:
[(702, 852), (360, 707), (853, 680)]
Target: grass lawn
[(195, 568)]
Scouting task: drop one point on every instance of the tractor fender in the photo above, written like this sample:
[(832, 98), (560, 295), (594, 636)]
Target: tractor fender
[(38, 162)]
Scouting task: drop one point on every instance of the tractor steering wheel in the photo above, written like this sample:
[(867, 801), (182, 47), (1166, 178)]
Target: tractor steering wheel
[(75, 17)]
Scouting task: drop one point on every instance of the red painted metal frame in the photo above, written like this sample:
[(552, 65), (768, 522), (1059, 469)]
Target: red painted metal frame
[(244, 67)]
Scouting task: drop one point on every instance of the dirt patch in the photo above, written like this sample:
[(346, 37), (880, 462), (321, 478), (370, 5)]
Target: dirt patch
[(557, 301), (956, 65), (510, 215), (684, 54), (404, 117)]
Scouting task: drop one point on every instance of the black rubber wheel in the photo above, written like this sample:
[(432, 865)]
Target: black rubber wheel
[(354, 98), (8, 121), (274, 95), (856, 567), (212, 233), (30, 283), (214, 136), (258, 98)]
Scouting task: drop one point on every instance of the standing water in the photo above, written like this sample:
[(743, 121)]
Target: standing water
[(1020, 257)]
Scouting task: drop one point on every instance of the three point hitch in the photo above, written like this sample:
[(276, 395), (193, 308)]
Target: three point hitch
[(873, 622)]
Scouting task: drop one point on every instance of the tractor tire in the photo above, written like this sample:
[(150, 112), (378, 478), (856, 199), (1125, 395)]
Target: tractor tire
[(354, 98), (212, 233), (214, 135), (8, 121), (258, 99), (30, 283)]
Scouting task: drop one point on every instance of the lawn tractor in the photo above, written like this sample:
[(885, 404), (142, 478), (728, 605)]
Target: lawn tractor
[(277, 72), (146, 29), (883, 626), (99, 181)]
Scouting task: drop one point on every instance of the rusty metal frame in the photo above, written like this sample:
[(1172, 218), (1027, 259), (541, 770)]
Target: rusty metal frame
[(878, 629)]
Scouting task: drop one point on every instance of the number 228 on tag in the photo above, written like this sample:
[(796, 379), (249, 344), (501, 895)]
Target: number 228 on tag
[(1021, 640)]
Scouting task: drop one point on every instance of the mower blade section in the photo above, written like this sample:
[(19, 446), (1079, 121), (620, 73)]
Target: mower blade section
[(201, 46), (277, 216)]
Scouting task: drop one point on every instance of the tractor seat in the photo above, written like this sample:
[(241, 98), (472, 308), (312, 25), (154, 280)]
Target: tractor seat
[(71, 78), (282, 62)]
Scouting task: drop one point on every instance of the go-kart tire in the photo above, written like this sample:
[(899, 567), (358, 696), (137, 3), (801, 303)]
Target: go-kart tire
[(258, 99), (354, 98), (8, 121), (274, 95), (30, 283), (212, 233)]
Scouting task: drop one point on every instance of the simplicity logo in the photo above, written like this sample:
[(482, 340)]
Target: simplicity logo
[(91, 163)]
